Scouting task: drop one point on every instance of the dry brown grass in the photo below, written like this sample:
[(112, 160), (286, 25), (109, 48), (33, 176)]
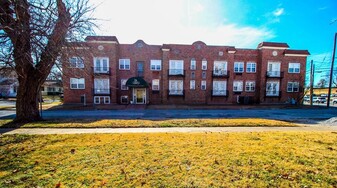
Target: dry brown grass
[(270, 159)]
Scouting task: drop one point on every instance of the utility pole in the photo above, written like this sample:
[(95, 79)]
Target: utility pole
[(311, 82), (331, 71)]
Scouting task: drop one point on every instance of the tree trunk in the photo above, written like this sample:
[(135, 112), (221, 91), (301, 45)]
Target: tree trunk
[(27, 106)]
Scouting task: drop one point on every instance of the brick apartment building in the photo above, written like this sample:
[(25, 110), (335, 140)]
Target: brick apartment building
[(102, 71)]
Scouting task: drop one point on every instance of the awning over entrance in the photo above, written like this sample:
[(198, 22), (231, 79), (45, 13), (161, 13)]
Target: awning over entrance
[(136, 82)]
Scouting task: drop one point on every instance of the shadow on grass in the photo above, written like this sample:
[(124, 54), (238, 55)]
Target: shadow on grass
[(149, 123)]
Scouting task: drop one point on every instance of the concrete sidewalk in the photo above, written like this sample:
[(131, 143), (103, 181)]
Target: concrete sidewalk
[(44, 131)]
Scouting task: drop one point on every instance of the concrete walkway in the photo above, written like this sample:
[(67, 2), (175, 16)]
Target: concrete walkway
[(44, 131)]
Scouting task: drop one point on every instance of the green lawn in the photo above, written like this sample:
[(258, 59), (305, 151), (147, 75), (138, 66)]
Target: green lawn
[(269, 159), (119, 123)]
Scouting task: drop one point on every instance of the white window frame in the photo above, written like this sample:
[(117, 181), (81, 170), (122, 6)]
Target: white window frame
[(155, 82), (251, 67), (178, 87), (223, 88), (101, 68), (123, 84), (78, 62), (250, 86), (293, 87), (76, 81), (204, 64), (105, 101), (176, 67), (274, 88), (124, 64), (294, 68), (239, 67), (155, 65), (101, 89), (99, 100), (220, 68), (238, 86), (203, 85), (192, 84), (193, 65), (274, 69)]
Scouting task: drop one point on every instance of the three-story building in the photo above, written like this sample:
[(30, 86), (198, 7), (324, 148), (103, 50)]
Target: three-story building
[(103, 71)]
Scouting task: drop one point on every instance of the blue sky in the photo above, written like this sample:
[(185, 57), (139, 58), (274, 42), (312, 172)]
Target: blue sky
[(303, 24)]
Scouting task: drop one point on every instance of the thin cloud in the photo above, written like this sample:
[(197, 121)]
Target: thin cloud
[(176, 21), (278, 12)]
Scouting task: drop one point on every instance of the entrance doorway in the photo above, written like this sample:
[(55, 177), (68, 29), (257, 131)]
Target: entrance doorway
[(139, 95)]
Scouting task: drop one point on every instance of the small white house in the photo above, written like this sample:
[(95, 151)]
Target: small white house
[(8, 88)]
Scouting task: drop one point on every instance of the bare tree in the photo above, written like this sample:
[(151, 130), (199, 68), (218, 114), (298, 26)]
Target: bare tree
[(32, 33), (322, 83)]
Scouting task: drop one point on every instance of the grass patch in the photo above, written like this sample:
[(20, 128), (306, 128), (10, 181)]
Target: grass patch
[(119, 123), (270, 159)]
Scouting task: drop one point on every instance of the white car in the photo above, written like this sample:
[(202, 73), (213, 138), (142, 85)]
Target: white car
[(319, 99), (334, 101)]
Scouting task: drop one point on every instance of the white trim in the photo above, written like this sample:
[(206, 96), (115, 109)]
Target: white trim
[(271, 47), (231, 52), (101, 58), (165, 50), (99, 100), (77, 83), (154, 84), (102, 41), (296, 55), (134, 95), (155, 63), (203, 83), (124, 60), (105, 98), (77, 48)]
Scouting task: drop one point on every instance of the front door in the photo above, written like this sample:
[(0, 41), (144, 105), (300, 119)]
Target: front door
[(140, 95)]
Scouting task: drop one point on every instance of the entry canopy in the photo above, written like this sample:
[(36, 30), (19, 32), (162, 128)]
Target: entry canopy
[(136, 82)]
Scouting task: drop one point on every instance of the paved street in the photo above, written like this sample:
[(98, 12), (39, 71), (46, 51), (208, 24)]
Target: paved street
[(306, 115)]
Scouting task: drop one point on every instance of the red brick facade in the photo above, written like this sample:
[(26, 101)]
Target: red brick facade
[(277, 77)]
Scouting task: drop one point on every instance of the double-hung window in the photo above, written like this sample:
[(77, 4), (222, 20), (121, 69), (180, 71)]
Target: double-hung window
[(293, 87), (77, 83), (176, 87), (176, 67), (294, 68), (123, 84), (124, 64), (193, 64), (238, 86), (203, 84), (204, 64), (219, 88), (76, 62), (192, 84), (250, 86), (251, 67), (155, 65), (238, 67), (155, 84), (101, 64)]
